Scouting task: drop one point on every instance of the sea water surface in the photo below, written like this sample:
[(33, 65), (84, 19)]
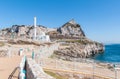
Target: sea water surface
[(111, 54)]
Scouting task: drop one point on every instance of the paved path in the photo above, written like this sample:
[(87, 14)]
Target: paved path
[(7, 66)]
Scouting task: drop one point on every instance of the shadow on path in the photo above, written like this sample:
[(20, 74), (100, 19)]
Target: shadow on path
[(11, 76)]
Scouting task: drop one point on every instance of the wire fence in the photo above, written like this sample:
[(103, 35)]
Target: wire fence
[(91, 69)]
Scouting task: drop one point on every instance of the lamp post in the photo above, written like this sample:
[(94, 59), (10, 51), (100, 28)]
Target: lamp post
[(115, 71)]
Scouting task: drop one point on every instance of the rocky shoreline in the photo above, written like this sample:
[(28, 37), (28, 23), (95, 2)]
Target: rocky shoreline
[(78, 49)]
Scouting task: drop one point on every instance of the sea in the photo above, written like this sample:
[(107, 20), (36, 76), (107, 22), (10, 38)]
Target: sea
[(110, 55)]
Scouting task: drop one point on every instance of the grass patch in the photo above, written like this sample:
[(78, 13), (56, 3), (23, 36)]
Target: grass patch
[(65, 44), (2, 44), (77, 41), (23, 42), (52, 56), (57, 76), (53, 74), (81, 41)]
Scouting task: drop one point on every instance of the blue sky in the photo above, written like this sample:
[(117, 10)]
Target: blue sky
[(100, 19)]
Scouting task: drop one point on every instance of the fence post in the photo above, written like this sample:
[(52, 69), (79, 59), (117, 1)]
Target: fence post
[(33, 55), (93, 69)]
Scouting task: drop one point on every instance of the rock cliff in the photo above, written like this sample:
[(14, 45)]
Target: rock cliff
[(78, 45), (70, 34), (26, 31), (71, 29), (77, 49)]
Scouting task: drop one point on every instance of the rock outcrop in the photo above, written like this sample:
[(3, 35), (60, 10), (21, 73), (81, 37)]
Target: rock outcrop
[(79, 50), (79, 45), (71, 29), (23, 30)]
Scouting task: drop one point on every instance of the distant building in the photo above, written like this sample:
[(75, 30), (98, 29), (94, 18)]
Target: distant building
[(40, 35), (43, 37)]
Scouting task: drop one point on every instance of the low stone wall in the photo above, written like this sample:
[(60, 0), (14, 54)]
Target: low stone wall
[(9, 51), (46, 50), (34, 71)]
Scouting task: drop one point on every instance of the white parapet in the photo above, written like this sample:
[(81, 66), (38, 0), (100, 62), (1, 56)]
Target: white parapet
[(22, 65)]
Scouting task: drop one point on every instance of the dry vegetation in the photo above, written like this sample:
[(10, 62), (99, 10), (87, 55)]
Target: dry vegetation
[(27, 42), (53, 74), (2, 44), (63, 75), (77, 41)]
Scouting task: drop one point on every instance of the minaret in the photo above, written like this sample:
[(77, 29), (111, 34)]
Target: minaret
[(35, 27)]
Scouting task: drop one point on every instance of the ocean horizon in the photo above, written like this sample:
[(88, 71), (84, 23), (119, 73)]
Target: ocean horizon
[(110, 55)]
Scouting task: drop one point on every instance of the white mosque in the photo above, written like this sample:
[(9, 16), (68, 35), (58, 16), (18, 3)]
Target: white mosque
[(42, 36)]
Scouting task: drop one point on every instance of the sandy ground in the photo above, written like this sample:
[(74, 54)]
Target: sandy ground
[(7, 65)]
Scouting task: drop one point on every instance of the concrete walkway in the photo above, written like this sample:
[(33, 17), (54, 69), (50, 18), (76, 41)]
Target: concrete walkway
[(8, 65)]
